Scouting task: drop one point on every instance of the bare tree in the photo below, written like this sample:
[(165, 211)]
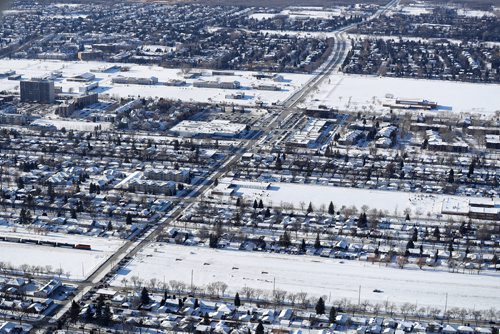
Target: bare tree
[(302, 298), (279, 296), (248, 292)]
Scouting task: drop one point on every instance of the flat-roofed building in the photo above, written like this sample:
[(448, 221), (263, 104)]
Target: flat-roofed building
[(38, 90)]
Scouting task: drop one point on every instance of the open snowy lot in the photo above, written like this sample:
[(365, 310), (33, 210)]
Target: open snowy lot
[(78, 263), (302, 13), (40, 68), (315, 275), (73, 125), (357, 92), (391, 201)]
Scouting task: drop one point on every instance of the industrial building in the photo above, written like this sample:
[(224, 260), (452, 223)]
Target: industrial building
[(217, 128), (217, 84)]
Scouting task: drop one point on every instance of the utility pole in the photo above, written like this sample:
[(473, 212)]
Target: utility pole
[(359, 296), (446, 304), (192, 273)]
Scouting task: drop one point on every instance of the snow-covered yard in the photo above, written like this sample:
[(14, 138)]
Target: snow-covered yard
[(40, 68), (315, 275), (357, 92)]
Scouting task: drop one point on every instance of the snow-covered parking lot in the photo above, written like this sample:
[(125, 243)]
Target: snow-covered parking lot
[(315, 275)]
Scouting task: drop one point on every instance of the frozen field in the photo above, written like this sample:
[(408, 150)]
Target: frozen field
[(39, 68), (79, 263), (390, 201), (356, 92), (315, 275)]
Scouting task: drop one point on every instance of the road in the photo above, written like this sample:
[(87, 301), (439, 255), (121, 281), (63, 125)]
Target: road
[(288, 107)]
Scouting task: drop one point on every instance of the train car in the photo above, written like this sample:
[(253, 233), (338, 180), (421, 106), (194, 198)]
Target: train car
[(30, 241), (82, 246), (48, 243), (64, 244)]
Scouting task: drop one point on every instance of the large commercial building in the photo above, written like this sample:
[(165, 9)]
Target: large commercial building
[(38, 90)]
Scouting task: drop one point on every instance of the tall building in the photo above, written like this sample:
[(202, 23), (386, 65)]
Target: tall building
[(38, 90)]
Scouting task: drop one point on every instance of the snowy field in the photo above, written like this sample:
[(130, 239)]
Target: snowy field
[(391, 201), (78, 263), (73, 125), (302, 13), (39, 68), (315, 275), (357, 92)]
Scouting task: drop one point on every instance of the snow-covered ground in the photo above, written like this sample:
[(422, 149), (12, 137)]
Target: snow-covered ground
[(476, 13), (78, 263), (317, 13), (73, 125), (391, 201), (315, 275), (358, 92), (416, 10), (262, 16), (302, 13), (40, 68)]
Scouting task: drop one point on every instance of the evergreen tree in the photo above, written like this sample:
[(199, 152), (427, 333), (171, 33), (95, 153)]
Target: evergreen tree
[(237, 301), (451, 176), (414, 237), (320, 306), (332, 315), (362, 220), (74, 311), (20, 183), (471, 168), (99, 307), (260, 328), (285, 240), (206, 319), (436, 233), (463, 229), (261, 204), (317, 243), (303, 246), (196, 304), (309, 208), (267, 214), (50, 192), (331, 209), (213, 240), (278, 163), (255, 204), (145, 299)]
